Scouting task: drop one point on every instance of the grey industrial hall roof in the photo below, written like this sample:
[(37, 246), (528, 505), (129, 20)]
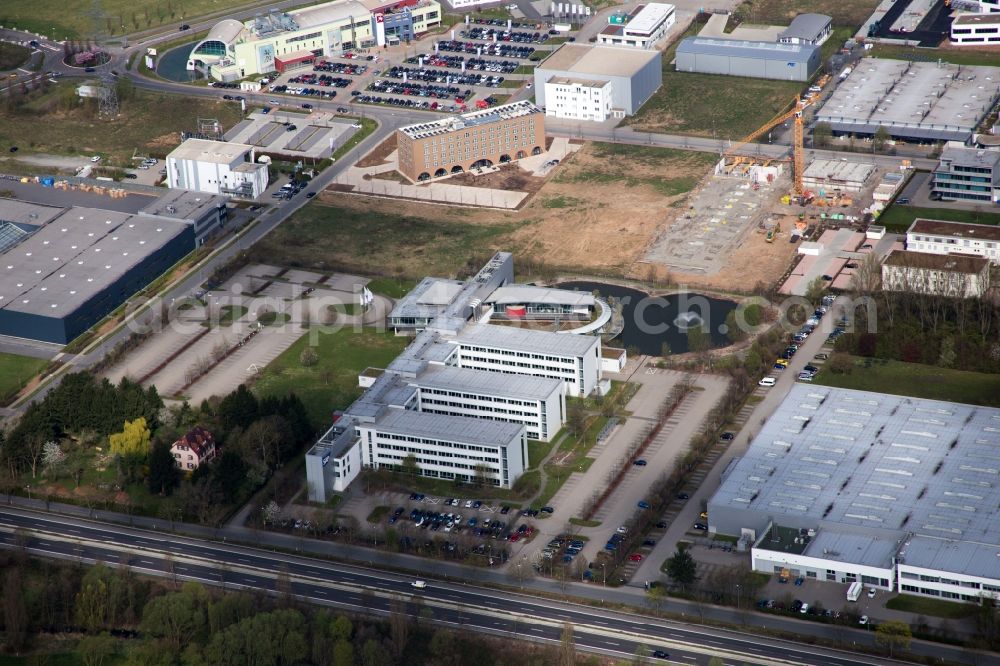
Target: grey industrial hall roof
[(76, 256), (532, 342), (743, 49), (854, 546), (23, 212), (522, 387), (463, 429), (806, 26), (184, 204), (875, 461)]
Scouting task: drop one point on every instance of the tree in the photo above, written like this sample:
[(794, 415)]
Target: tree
[(576, 418), (265, 442), (444, 649), (278, 637), (163, 473), (822, 133), (733, 330), (656, 595), (698, 339), (567, 646), (96, 650), (15, 611), (409, 465), (881, 137), (681, 568), (132, 441), (343, 653), (947, 355), (867, 278), (238, 409), (308, 357), (399, 626), (815, 289), (893, 634), (841, 363), (229, 474)]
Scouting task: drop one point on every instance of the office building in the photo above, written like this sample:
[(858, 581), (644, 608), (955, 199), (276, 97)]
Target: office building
[(485, 138), (967, 174), (281, 41), (851, 486), (567, 83), (216, 167), (643, 28), (760, 60), (978, 29), (812, 29), (955, 275), (206, 213), (940, 237)]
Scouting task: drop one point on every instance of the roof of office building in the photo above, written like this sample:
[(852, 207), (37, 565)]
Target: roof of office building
[(524, 387), (952, 263), (206, 150), (862, 547), (806, 26), (532, 342), (922, 225), (521, 294), (428, 298), (858, 460), (588, 60), (739, 48), (471, 119), (583, 83), (184, 205), (464, 429), (961, 155), (976, 19), (76, 256), (648, 17)]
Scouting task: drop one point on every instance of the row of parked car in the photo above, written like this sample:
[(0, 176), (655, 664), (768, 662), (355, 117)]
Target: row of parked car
[(409, 89), (303, 91), (321, 80), (348, 68), (503, 22), (408, 103), (455, 62), (501, 49), (502, 35), (432, 76)]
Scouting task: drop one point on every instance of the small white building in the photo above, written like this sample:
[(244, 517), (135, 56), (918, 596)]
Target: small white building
[(642, 29), (216, 167), (957, 275), (579, 99), (978, 29), (811, 29)]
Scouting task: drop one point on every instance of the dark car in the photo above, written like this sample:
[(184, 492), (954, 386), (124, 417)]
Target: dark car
[(727, 436), (13, 149), (683, 496), (89, 69), (649, 543), (639, 463), (701, 526), (131, 176), (310, 195), (185, 27), (660, 654), (662, 525), (547, 509), (828, 278), (307, 106)]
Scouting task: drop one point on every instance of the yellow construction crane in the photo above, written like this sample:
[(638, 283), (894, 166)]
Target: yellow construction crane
[(798, 153)]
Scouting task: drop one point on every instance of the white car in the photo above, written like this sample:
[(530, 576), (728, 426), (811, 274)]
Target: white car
[(767, 381), (871, 592), (356, 125), (273, 101), (863, 620), (419, 584), (95, 159)]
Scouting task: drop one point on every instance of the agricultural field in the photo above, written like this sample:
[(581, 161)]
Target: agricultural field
[(72, 126)]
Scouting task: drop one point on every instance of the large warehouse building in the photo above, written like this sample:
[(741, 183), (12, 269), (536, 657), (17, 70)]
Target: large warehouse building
[(760, 60), (852, 486), (279, 41), (581, 82), (919, 101), (499, 135)]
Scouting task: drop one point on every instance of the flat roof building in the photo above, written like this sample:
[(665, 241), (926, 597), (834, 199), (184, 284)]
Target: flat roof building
[(912, 100), (216, 167), (941, 237), (811, 29), (837, 175), (967, 174), (979, 29), (891, 491), (955, 275), (207, 213), (643, 28), (760, 60), (485, 138), (633, 74)]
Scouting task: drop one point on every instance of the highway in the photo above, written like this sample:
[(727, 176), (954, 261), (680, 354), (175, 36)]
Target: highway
[(368, 590)]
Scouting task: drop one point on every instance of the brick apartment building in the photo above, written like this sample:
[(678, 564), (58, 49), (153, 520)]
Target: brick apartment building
[(481, 138)]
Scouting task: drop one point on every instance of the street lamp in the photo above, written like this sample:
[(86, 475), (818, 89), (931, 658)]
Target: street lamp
[(737, 596), (604, 570)]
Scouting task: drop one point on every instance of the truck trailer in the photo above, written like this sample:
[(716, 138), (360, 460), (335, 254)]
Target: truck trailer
[(854, 591)]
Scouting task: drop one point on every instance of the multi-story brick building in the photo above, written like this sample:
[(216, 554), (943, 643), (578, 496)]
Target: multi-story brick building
[(482, 138)]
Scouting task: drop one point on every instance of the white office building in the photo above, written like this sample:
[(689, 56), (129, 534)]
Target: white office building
[(538, 403), (642, 29), (954, 275), (850, 486), (579, 99), (941, 237), (446, 447), (978, 29), (216, 167), (574, 359)]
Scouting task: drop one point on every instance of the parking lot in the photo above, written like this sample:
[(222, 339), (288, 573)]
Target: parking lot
[(316, 134)]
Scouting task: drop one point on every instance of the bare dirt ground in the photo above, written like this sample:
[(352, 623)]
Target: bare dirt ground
[(379, 155), (507, 178)]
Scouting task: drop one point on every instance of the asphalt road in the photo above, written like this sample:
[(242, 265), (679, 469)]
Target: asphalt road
[(362, 589)]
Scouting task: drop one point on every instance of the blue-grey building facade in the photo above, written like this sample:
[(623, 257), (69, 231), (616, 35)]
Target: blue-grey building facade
[(759, 60)]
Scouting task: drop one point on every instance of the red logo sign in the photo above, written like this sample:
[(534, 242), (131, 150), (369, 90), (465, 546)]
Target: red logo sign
[(379, 18)]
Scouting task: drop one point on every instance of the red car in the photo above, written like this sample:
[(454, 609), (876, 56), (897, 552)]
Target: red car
[(635, 557)]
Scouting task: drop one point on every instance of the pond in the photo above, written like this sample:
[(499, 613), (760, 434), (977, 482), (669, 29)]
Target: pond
[(172, 65), (651, 321)]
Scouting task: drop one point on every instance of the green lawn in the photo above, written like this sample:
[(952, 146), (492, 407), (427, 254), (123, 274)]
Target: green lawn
[(15, 371), (918, 381), (727, 107), (537, 450), (332, 383), (73, 129), (231, 313), (357, 239), (391, 287), (61, 20), (367, 127), (951, 610), (13, 55), (899, 218)]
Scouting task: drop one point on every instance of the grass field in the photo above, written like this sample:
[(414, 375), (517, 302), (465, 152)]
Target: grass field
[(918, 381), (899, 218), (61, 20), (72, 129), (12, 55), (364, 240), (332, 383), (15, 371), (952, 610), (726, 107), (367, 127), (391, 287)]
